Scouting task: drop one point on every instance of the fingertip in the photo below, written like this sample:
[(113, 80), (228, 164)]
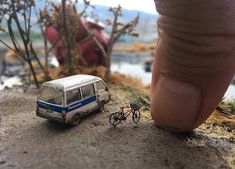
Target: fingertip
[(175, 104)]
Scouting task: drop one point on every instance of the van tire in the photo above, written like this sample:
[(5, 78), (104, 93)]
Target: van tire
[(101, 106), (75, 120)]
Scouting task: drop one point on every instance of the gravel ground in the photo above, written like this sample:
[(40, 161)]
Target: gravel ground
[(27, 141)]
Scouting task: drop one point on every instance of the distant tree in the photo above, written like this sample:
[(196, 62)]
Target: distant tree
[(43, 18), (65, 18), (15, 18), (118, 29), (69, 23)]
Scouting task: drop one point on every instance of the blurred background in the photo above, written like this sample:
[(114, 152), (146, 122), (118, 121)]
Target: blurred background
[(131, 54)]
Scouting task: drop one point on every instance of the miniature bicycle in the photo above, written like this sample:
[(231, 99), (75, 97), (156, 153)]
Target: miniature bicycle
[(117, 117)]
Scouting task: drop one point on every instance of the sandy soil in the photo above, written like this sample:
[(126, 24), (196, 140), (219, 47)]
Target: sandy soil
[(27, 141)]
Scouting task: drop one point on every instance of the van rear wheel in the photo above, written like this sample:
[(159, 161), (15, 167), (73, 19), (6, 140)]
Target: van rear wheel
[(75, 120)]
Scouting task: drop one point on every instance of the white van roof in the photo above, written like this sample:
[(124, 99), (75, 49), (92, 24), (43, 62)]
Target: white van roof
[(72, 81)]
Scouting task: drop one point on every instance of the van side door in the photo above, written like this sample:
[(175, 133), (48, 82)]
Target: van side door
[(73, 100), (89, 102)]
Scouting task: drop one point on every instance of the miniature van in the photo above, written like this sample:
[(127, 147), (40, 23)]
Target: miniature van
[(67, 99)]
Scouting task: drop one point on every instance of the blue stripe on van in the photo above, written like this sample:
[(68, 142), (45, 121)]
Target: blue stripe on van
[(80, 103), (45, 105), (69, 108)]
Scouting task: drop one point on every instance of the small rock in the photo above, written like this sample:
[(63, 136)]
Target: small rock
[(2, 162), (96, 123)]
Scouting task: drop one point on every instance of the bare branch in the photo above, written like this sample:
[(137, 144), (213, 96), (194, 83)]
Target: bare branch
[(29, 21), (11, 34), (8, 46), (114, 27), (54, 44), (15, 16), (68, 52), (127, 26), (104, 53), (36, 57), (83, 11), (25, 18)]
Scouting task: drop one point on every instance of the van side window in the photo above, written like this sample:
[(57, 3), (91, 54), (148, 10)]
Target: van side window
[(88, 91), (100, 86), (73, 96)]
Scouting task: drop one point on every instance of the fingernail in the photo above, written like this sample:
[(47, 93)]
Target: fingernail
[(175, 104)]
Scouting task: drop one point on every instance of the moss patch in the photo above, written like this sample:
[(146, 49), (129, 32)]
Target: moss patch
[(227, 106)]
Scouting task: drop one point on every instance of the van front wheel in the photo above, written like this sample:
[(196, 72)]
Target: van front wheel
[(75, 120)]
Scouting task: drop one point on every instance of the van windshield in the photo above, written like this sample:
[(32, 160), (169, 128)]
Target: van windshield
[(50, 95)]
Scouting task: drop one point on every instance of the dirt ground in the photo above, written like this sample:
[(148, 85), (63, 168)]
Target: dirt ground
[(27, 141)]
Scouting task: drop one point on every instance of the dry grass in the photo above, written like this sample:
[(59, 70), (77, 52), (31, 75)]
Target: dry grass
[(139, 47), (117, 78), (61, 72), (222, 119)]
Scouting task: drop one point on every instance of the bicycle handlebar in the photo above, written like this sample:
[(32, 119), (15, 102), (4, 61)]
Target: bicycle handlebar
[(133, 106)]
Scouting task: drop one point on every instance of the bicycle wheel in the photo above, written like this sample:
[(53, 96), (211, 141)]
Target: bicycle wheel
[(136, 116), (115, 119)]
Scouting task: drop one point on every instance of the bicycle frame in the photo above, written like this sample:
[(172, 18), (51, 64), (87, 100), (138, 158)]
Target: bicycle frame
[(127, 113)]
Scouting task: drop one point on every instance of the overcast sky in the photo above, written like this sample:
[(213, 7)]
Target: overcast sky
[(142, 5)]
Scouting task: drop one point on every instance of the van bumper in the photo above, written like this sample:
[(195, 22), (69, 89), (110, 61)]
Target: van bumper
[(59, 117)]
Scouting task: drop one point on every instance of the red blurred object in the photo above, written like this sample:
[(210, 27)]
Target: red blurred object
[(88, 48)]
